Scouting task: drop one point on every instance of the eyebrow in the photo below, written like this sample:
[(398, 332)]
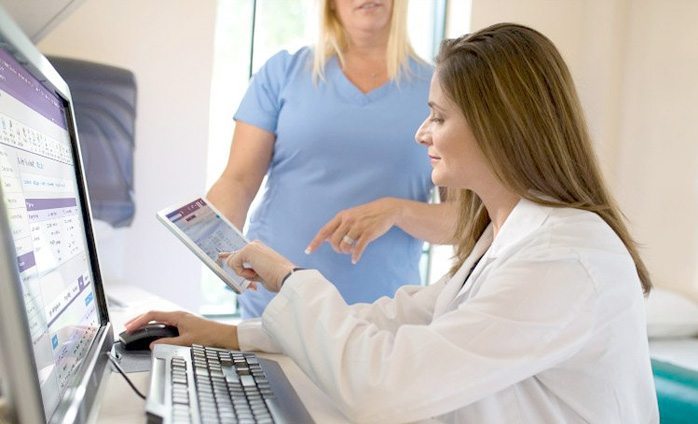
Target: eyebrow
[(435, 106)]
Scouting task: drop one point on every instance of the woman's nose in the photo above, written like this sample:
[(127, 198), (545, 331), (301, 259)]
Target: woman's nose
[(421, 135)]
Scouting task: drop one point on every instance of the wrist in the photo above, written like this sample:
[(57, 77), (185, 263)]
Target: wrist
[(230, 333), (398, 208), (288, 274)]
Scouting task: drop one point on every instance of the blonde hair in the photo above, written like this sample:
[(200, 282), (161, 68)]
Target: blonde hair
[(332, 40), (518, 97)]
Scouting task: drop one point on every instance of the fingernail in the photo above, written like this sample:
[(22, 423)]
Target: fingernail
[(353, 261), (307, 251)]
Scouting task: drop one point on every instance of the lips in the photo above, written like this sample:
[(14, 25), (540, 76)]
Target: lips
[(369, 5)]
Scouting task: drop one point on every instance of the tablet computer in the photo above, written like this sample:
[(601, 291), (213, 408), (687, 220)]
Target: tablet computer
[(206, 232)]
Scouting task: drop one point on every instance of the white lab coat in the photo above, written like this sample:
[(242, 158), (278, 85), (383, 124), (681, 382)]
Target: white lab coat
[(549, 328)]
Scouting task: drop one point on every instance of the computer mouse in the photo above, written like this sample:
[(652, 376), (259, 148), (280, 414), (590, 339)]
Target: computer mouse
[(140, 339)]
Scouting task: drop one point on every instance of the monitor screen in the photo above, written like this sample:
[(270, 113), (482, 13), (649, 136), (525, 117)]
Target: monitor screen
[(43, 204)]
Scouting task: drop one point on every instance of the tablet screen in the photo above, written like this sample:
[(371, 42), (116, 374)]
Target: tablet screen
[(210, 232)]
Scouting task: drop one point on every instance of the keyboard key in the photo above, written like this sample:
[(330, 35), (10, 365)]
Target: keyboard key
[(247, 380)]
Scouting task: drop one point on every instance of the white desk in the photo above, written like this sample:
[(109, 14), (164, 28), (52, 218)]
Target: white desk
[(120, 404)]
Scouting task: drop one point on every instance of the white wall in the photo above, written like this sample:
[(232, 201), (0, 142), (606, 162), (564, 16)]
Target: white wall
[(635, 64), (657, 166), (169, 47)]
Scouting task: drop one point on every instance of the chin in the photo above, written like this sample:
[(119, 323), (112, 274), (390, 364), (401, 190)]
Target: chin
[(441, 180), (438, 179)]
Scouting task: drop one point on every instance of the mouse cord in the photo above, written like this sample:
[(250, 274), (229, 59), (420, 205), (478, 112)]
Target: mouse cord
[(123, 374)]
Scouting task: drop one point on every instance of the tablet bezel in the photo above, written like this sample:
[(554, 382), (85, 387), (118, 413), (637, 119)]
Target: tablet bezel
[(184, 238)]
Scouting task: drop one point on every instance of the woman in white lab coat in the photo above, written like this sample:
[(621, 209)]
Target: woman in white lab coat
[(541, 318)]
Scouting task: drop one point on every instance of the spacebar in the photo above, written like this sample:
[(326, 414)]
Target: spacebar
[(156, 392)]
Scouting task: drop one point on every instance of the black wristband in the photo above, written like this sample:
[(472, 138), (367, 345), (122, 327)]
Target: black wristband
[(283, 280)]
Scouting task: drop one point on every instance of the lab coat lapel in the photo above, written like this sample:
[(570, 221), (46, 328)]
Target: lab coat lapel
[(524, 219), (454, 285)]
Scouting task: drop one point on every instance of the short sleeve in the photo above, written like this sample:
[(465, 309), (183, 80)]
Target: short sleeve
[(262, 102)]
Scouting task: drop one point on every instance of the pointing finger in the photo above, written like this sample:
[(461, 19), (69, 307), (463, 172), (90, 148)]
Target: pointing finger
[(322, 235)]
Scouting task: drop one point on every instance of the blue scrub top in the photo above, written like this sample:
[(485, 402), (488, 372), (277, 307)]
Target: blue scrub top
[(336, 148)]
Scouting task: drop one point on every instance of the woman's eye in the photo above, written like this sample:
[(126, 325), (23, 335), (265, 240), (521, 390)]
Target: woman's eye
[(436, 119)]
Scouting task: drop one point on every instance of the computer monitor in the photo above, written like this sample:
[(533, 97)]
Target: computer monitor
[(55, 335)]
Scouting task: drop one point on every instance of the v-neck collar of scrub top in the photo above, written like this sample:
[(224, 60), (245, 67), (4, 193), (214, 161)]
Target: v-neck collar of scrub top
[(350, 91), (524, 219)]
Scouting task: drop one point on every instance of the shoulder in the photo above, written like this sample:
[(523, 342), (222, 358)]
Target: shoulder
[(581, 230), (421, 67), (284, 62), (582, 238), (419, 70), (568, 231)]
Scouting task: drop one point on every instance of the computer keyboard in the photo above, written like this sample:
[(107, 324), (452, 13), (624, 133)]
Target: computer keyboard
[(209, 385)]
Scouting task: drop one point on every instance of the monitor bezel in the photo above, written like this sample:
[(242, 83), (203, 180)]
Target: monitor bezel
[(19, 368)]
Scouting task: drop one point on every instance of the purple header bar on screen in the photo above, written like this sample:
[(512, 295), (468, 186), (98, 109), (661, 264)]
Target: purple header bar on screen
[(20, 84), (186, 209), (43, 204), (26, 261)]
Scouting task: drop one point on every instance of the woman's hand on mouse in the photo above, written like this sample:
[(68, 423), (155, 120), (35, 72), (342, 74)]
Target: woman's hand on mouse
[(192, 329)]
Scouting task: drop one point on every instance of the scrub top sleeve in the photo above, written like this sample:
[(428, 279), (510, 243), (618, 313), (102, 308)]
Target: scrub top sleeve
[(262, 102)]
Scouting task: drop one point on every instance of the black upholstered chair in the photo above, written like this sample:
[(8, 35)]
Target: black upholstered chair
[(104, 98)]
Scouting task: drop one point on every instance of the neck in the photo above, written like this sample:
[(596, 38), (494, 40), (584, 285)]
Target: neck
[(499, 203), (367, 46)]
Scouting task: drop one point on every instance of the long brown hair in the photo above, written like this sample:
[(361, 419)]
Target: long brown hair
[(518, 97)]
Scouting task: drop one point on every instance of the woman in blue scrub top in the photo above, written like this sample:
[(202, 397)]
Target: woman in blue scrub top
[(332, 127)]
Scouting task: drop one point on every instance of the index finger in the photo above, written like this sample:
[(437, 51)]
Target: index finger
[(237, 262), (322, 235), (159, 316), (224, 255)]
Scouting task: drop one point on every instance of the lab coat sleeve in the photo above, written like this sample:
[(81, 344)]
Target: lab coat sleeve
[(529, 315), (411, 305), (252, 337)]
